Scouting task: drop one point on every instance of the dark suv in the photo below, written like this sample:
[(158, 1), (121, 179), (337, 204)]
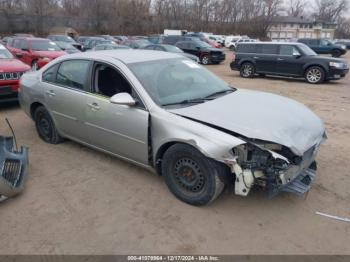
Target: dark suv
[(287, 59), (323, 46), (173, 39), (205, 53)]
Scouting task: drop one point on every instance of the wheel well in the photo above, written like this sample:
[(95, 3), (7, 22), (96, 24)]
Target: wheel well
[(324, 70), (246, 62), (33, 107), (160, 154)]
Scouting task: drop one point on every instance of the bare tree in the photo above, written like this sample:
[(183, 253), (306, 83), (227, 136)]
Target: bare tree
[(296, 7), (330, 10)]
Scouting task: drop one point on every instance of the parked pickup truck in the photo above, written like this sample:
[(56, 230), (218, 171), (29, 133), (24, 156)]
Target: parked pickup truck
[(323, 46)]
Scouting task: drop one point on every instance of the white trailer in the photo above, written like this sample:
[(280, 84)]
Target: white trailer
[(174, 32)]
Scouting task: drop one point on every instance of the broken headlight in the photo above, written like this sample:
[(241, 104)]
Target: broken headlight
[(259, 158)]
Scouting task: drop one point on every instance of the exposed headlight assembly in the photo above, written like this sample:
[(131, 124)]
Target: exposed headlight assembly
[(337, 64)]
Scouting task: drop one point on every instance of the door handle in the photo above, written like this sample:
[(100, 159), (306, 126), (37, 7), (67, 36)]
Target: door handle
[(94, 106), (255, 57), (280, 59), (51, 93)]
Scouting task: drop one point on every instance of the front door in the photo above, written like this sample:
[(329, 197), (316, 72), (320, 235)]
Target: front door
[(290, 61), (119, 129)]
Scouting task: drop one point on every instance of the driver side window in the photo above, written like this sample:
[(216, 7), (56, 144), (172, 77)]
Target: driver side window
[(108, 81)]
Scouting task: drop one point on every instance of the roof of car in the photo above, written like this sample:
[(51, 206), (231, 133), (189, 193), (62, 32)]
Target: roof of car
[(126, 56), (270, 43), (31, 38)]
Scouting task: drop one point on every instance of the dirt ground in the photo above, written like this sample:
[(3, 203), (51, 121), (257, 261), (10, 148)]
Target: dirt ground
[(79, 201)]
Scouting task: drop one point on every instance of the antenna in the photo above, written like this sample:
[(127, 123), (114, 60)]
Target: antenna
[(13, 133)]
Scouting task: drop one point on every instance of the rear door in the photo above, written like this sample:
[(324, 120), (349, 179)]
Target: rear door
[(266, 58), (65, 90), (289, 61)]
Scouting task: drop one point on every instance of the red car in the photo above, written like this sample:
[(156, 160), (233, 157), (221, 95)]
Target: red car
[(35, 52), (11, 69), (213, 43)]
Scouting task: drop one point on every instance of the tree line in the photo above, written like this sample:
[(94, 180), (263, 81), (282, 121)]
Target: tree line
[(140, 17)]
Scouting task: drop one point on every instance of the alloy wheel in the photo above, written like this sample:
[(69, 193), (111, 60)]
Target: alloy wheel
[(247, 70), (205, 60), (314, 75)]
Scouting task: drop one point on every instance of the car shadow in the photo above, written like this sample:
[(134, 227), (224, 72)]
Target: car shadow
[(9, 105)]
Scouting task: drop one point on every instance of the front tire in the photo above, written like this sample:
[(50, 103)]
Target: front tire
[(192, 177), (247, 70), (205, 60), (315, 75), (45, 126)]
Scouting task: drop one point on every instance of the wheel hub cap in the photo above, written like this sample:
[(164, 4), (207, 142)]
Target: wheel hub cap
[(314, 75), (188, 175)]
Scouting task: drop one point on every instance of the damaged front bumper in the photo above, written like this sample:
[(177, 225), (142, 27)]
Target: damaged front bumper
[(274, 178), (13, 167)]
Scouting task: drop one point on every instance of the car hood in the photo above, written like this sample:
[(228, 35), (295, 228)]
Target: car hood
[(50, 54), (328, 59), (12, 65), (262, 116), (212, 49), (193, 57)]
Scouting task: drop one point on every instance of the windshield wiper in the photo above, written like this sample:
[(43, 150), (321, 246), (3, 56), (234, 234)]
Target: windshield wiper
[(220, 93), (189, 101)]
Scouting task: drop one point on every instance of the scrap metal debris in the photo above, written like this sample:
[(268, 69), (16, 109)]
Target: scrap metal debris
[(13, 166), (334, 217)]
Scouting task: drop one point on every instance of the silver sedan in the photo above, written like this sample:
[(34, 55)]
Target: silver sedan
[(168, 114)]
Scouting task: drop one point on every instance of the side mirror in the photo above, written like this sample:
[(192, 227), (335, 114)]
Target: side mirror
[(19, 55), (123, 99), (198, 48), (25, 50), (297, 55)]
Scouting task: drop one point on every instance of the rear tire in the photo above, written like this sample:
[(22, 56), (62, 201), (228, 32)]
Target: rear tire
[(45, 126), (247, 70), (192, 177), (315, 75), (34, 65)]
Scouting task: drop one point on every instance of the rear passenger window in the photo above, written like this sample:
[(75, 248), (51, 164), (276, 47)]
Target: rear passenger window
[(249, 49), (50, 74), (73, 73), (269, 49)]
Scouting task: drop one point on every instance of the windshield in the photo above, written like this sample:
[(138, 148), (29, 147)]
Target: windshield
[(307, 50), (173, 49), (64, 38), (203, 44), (44, 45), (4, 53), (176, 80), (65, 45), (143, 42)]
